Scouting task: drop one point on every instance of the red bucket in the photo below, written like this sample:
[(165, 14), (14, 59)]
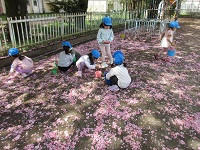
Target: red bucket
[(98, 74)]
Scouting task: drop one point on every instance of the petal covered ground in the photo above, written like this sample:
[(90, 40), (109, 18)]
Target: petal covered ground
[(160, 110)]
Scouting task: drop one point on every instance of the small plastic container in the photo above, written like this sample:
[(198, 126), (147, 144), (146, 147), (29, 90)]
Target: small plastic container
[(171, 52), (98, 74), (54, 70)]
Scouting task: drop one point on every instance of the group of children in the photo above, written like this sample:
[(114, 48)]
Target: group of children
[(118, 76)]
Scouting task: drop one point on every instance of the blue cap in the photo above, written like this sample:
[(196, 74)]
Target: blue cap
[(13, 51), (67, 44), (95, 53), (107, 21), (174, 24), (118, 52), (118, 59)]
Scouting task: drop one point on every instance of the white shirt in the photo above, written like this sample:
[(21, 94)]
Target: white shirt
[(65, 60), (25, 64), (105, 35), (122, 74), (85, 58), (164, 42)]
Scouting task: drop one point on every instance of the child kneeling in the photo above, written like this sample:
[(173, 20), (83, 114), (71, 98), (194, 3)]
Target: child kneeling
[(67, 58), (21, 64), (87, 61), (118, 76)]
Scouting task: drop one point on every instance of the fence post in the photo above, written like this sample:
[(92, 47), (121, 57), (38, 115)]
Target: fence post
[(62, 25), (90, 26), (11, 33)]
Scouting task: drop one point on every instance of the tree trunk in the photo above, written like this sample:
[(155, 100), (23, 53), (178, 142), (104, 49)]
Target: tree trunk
[(17, 8)]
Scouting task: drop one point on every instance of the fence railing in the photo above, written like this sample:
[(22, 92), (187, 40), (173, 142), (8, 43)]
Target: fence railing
[(137, 28), (29, 31)]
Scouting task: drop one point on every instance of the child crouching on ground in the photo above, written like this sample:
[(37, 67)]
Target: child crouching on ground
[(118, 76), (67, 57), (21, 64), (87, 61)]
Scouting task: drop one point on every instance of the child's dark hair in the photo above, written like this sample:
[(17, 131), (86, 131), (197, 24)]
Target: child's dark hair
[(91, 58), (103, 24), (21, 57), (66, 49)]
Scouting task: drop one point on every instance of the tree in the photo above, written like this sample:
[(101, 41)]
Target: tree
[(16, 8), (71, 6)]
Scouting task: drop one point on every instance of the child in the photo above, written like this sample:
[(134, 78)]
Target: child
[(104, 37), (118, 76), (167, 39), (21, 64), (67, 58), (87, 61)]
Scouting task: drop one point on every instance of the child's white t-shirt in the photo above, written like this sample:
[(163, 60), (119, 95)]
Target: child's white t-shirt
[(122, 74), (85, 58), (65, 60), (164, 42), (25, 64)]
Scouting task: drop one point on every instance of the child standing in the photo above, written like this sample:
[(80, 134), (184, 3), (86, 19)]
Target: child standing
[(87, 61), (118, 76), (21, 64), (104, 37), (167, 39), (67, 57)]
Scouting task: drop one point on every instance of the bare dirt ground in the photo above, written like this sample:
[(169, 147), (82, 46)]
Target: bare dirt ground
[(160, 110)]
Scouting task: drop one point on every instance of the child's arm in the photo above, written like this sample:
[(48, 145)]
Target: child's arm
[(111, 38), (110, 74), (90, 66), (99, 39), (11, 72), (161, 36), (168, 39), (29, 59)]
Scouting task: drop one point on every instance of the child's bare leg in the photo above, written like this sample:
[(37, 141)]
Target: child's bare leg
[(109, 53), (103, 52), (161, 52)]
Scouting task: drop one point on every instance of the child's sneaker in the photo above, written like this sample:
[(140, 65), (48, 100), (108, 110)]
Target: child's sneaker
[(79, 74), (30, 73), (104, 65), (113, 88), (24, 75), (166, 59)]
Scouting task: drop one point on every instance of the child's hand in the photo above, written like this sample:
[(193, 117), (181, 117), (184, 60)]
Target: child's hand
[(97, 67), (174, 45), (106, 42)]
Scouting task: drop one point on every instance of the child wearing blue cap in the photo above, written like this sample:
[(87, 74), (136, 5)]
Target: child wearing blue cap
[(167, 39), (104, 37), (118, 76), (21, 64), (67, 57), (87, 61)]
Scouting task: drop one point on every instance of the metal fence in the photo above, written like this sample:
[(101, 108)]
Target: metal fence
[(27, 32), (144, 29)]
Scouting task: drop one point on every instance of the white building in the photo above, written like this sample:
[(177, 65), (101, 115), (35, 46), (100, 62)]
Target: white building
[(104, 5), (41, 6)]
